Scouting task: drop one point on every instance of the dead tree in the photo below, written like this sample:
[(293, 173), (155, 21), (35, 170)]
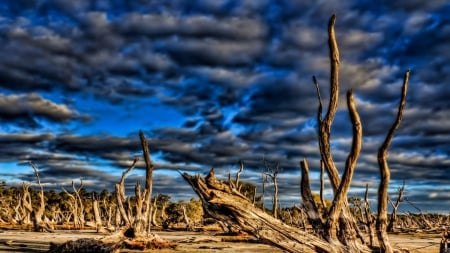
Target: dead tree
[(385, 174), (341, 231), (272, 171), (154, 211), (347, 223), (142, 226), (135, 234), (140, 221), (77, 207), (120, 197), (322, 185), (23, 209), (264, 182), (222, 203), (38, 223), (369, 218), (393, 219), (98, 220)]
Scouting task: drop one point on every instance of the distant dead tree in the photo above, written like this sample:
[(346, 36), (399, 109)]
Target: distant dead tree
[(38, 214), (263, 197), (370, 221), (272, 169), (76, 205), (393, 219)]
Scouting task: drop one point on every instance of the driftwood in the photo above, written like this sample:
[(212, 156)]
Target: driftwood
[(238, 213), (113, 243)]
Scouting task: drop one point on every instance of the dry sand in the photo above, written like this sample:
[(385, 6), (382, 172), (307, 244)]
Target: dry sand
[(24, 241)]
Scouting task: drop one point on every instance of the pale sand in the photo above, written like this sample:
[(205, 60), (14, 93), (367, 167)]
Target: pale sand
[(24, 241)]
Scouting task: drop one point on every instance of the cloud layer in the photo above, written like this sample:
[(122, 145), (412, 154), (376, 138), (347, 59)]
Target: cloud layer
[(214, 82)]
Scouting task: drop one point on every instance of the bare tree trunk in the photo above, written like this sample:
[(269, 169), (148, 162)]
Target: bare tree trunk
[(341, 194), (139, 223), (187, 221), (148, 181), (307, 199), (79, 200), (238, 175), (38, 222), (369, 218), (275, 196), (322, 185), (272, 171), (385, 173), (120, 195), (98, 220), (264, 180), (347, 221), (154, 211), (26, 206)]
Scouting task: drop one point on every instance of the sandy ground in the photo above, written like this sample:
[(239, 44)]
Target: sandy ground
[(24, 241)]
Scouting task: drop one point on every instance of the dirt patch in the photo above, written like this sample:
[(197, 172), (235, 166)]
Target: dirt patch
[(188, 242)]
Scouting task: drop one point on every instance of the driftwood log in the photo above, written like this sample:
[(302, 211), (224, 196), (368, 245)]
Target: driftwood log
[(126, 238), (222, 202)]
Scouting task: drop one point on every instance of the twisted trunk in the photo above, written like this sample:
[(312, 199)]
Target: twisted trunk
[(237, 212)]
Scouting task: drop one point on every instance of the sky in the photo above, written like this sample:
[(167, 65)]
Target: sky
[(214, 82)]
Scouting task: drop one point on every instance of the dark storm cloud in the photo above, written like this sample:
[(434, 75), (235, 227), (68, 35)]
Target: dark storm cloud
[(28, 109)]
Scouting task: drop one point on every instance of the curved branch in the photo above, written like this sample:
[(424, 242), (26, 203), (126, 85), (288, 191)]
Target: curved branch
[(385, 173), (325, 124), (341, 194)]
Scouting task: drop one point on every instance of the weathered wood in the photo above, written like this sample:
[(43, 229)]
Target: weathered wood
[(385, 174), (322, 185), (308, 203), (325, 124), (241, 215), (347, 222), (393, 219), (38, 222), (340, 196), (148, 181), (369, 218)]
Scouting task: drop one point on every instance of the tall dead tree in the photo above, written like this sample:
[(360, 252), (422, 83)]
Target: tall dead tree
[(38, 214), (347, 223), (221, 201), (144, 225), (385, 173)]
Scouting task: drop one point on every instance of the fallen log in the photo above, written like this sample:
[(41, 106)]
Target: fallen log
[(124, 239), (222, 202)]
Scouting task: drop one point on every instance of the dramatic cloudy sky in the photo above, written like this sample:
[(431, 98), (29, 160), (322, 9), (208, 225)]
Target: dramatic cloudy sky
[(214, 82)]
